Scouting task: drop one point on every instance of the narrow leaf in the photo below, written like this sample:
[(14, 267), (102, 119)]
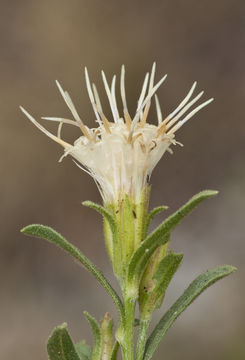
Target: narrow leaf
[(166, 270), (160, 236), (195, 288), (114, 351), (104, 212), (157, 210), (47, 233), (60, 345), (84, 350), (106, 329), (113, 245), (96, 354), (152, 293)]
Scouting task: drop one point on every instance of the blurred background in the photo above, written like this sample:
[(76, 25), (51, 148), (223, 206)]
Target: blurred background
[(190, 40)]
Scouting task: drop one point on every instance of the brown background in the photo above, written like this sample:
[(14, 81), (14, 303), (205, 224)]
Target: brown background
[(191, 40)]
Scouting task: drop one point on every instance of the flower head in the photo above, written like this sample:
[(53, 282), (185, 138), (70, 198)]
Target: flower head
[(121, 154)]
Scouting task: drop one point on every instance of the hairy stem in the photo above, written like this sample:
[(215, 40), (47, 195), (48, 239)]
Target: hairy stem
[(142, 337), (128, 331)]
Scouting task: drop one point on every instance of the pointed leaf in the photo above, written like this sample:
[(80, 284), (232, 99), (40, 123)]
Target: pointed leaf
[(160, 236), (84, 350), (96, 354), (166, 270), (157, 210), (152, 294), (47, 233), (104, 212), (60, 345), (195, 288), (113, 246), (114, 351)]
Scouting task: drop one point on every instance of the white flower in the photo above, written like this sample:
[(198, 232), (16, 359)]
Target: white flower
[(122, 154)]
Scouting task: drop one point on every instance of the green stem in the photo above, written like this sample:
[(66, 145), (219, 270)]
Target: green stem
[(142, 337), (128, 331)]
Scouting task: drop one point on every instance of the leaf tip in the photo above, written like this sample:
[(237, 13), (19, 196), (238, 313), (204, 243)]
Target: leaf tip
[(86, 203), (26, 229), (210, 193), (230, 269)]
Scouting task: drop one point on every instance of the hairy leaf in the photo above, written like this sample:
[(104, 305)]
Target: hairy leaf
[(47, 233), (157, 210), (96, 354), (160, 236), (84, 350), (60, 345), (195, 288)]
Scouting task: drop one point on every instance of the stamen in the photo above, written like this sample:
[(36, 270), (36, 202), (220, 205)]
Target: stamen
[(158, 109), (148, 105), (108, 92), (46, 132), (161, 130), (127, 117), (145, 114), (59, 129), (153, 71), (113, 94), (148, 97), (183, 102), (143, 91), (65, 121), (91, 96), (177, 117), (192, 113), (100, 111), (73, 110)]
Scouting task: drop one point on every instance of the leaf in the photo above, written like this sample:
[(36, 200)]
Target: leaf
[(106, 330), (47, 233), (160, 236), (166, 270), (152, 294), (60, 345), (113, 250), (195, 288), (157, 210), (96, 354), (114, 351), (153, 290), (104, 212), (84, 350)]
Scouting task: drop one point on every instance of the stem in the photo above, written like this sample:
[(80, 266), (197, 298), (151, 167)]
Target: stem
[(128, 333), (142, 337)]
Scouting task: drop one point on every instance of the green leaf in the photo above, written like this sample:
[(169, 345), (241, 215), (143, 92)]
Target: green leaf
[(114, 248), (47, 233), (114, 351), (157, 210), (195, 288), (60, 345), (166, 270), (104, 212), (160, 236), (96, 354), (152, 294), (84, 350)]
